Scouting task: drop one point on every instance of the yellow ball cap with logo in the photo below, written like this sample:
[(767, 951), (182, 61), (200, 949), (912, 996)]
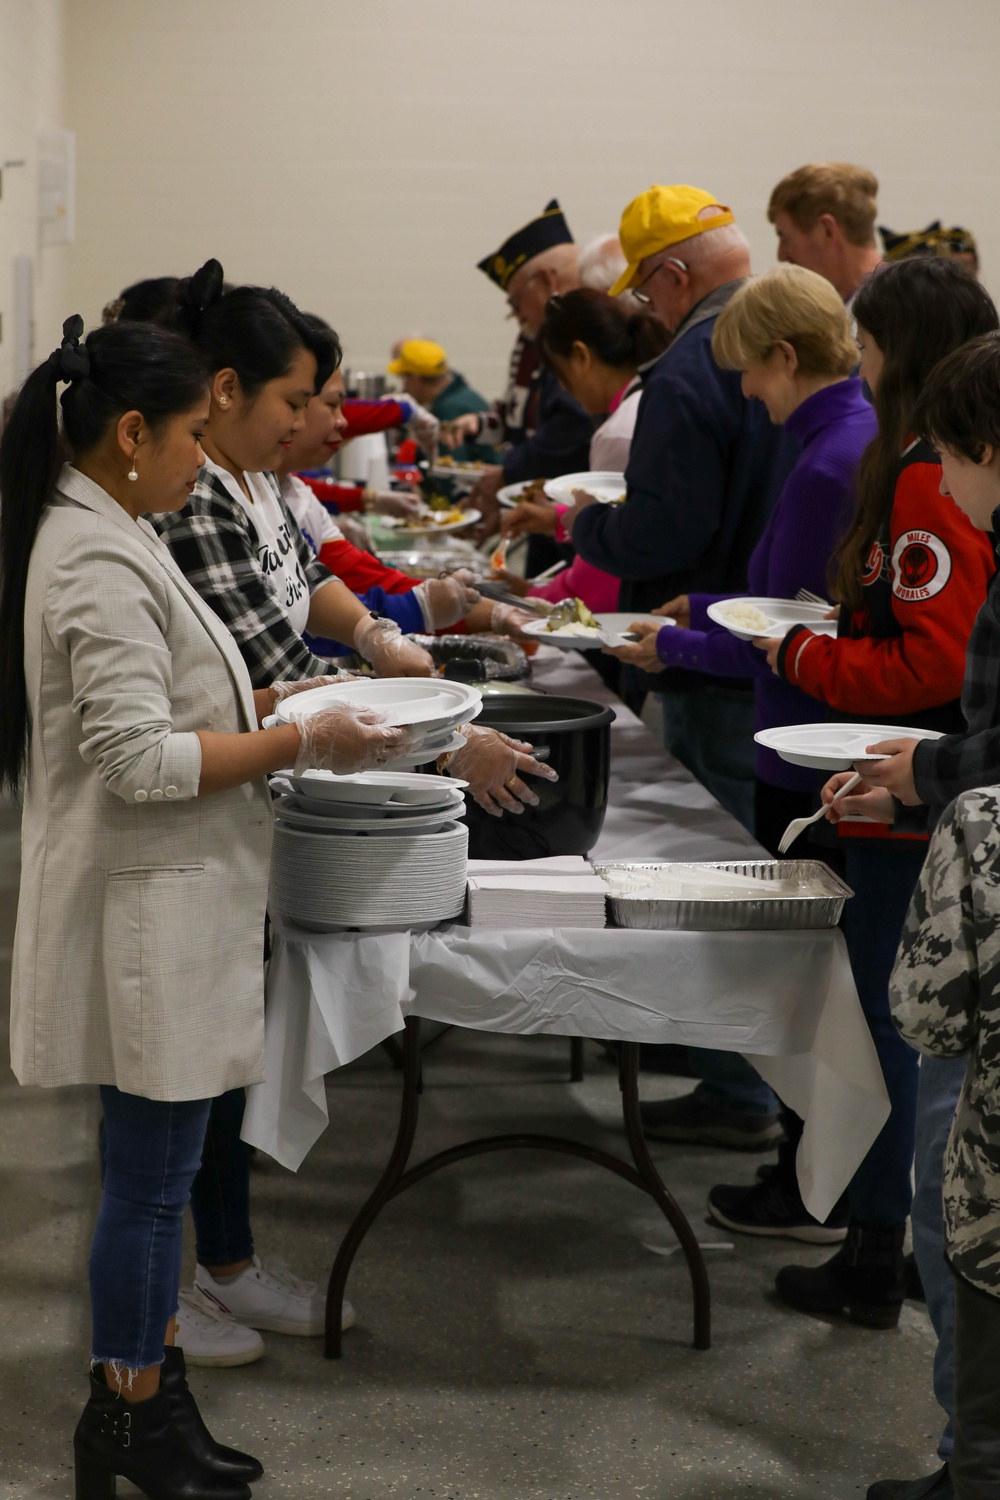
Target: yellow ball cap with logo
[(419, 357), (661, 217)]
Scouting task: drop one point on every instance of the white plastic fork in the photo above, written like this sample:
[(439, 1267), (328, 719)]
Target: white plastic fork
[(799, 825), (806, 596)]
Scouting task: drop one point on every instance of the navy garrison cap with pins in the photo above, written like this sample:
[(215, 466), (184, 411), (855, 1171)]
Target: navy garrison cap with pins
[(549, 229)]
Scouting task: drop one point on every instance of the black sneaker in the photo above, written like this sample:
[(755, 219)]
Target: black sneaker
[(689, 1119), (774, 1207), (931, 1487)]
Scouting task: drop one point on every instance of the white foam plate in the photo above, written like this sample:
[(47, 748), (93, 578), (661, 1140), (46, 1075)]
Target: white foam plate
[(394, 810), (370, 787), (605, 486), (288, 811), (433, 704), (422, 755), (781, 615), (835, 747), (429, 527), (616, 625), (465, 475)]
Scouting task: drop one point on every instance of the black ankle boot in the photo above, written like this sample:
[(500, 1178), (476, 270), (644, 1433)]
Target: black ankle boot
[(228, 1463), (864, 1278), (139, 1441)]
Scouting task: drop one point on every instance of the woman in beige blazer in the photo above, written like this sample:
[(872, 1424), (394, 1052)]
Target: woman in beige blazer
[(130, 718)]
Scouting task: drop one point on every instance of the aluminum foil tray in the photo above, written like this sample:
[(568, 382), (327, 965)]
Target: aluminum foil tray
[(820, 905)]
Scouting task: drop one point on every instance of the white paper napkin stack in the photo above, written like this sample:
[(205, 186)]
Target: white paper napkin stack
[(562, 891)]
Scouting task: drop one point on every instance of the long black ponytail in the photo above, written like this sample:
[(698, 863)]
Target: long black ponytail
[(121, 367)]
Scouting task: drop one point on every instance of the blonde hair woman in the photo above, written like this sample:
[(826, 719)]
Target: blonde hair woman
[(789, 335)]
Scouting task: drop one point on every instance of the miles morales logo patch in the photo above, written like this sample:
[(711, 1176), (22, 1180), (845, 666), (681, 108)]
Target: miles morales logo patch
[(921, 566)]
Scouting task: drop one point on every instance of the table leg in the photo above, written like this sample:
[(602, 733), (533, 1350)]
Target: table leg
[(628, 1082), (397, 1178), (576, 1059), (384, 1190)]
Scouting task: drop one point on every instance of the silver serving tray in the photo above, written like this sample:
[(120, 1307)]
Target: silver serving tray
[(732, 914)]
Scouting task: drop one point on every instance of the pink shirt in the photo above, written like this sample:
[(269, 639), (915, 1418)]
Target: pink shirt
[(608, 450)]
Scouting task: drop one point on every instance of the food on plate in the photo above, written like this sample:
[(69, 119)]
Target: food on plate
[(446, 461), (534, 489), (601, 499), (745, 617), (571, 617), (450, 517)]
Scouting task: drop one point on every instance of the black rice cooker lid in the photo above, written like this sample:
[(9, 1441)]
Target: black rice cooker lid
[(543, 714)]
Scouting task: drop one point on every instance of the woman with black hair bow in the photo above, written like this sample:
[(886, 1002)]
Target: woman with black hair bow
[(132, 723)]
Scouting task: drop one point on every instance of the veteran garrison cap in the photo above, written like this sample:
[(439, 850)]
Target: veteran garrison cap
[(549, 229), (934, 240)]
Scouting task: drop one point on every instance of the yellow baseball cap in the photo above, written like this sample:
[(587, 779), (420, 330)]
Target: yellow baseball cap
[(661, 217), (419, 357)]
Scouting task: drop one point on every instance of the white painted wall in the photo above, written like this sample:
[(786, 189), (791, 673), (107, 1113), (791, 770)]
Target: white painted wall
[(31, 97), (364, 154)]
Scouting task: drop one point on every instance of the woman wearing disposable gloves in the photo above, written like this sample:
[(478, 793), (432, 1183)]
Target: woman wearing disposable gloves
[(146, 814), (789, 334), (241, 550), (595, 346)]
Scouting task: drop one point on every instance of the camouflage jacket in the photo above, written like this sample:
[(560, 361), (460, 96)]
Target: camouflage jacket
[(945, 994)]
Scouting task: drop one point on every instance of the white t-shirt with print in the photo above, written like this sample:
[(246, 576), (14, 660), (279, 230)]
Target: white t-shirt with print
[(314, 520), (277, 557)]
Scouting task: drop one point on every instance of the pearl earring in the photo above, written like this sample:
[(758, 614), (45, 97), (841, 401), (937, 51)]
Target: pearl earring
[(223, 400), (132, 472)]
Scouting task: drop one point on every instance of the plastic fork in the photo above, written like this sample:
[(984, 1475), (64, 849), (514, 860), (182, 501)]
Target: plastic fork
[(806, 596), (799, 825)]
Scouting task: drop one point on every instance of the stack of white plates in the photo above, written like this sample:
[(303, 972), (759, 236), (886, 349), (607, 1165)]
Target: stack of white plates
[(378, 851), (431, 707)]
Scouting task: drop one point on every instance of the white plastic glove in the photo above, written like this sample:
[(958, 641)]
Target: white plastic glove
[(445, 601), (424, 426), (344, 739), (492, 763), (404, 503), (354, 532), (382, 643), (303, 684), (507, 619)]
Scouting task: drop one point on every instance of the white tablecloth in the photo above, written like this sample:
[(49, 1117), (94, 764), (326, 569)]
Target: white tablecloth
[(786, 1000)]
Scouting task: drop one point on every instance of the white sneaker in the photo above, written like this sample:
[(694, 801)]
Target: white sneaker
[(271, 1297), (210, 1337)]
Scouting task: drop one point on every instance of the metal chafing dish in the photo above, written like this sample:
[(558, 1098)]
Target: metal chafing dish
[(820, 903), (429, 562)]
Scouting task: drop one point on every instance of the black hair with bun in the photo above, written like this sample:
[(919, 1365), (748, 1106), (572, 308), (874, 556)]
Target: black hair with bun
[(256, 331), (614, 334)]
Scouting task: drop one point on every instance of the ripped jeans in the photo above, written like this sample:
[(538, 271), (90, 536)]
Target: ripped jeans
[(152, 1152)]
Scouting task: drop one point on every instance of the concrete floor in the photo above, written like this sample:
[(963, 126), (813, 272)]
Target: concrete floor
[(516, 1338)]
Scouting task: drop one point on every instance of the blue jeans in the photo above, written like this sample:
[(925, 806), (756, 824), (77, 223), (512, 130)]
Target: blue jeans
[(710, 731), (220, 1194), (152, 1151), (728, 1081), (941, 1080), (883, 881)]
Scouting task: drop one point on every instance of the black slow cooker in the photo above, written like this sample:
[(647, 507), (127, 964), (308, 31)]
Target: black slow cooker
[(570, 812)]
